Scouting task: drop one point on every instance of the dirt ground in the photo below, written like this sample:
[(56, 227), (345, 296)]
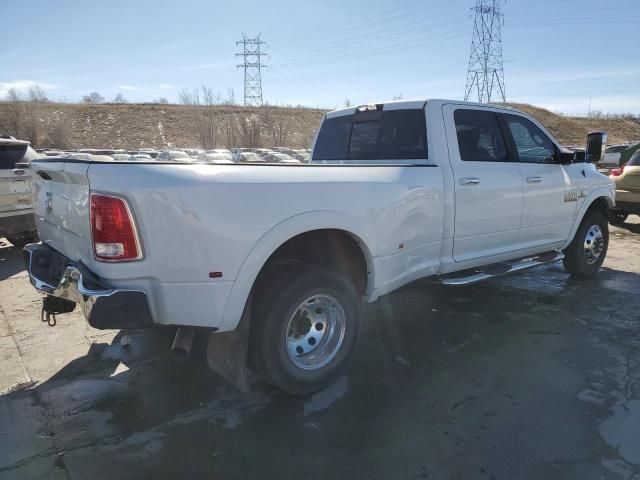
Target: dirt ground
[(535, 376)]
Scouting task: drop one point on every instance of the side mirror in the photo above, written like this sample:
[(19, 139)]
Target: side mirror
[(596, 143)]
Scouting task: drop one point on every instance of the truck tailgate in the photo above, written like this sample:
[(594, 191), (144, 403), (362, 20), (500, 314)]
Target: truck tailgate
[(61, 205)]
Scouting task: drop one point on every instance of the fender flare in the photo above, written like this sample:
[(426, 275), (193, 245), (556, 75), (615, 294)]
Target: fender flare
[(276, 237), (599, 192)]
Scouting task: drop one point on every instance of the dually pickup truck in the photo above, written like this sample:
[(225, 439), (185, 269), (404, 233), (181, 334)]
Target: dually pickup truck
[(274, 260)]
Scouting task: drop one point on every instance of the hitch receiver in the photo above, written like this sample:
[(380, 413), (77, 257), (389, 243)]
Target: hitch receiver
[(51, 306)]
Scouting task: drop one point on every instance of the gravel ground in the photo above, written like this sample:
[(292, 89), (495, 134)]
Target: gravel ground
[(531, 376)]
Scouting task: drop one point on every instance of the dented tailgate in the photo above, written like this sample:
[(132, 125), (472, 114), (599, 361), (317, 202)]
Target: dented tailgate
[(61, 205)]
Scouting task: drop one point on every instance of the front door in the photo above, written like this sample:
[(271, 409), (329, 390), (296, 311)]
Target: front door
[(488, 185), (549, 199)]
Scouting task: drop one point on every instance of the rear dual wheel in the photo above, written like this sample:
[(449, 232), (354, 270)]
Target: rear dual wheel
[(304, 328)]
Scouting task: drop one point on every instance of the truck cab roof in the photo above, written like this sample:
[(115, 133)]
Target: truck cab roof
[(406, 105)]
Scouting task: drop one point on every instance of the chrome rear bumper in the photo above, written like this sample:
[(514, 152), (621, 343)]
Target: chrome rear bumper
[(52, 273)]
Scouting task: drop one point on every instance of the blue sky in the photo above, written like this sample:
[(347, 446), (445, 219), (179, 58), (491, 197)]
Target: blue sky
[(558, 53)]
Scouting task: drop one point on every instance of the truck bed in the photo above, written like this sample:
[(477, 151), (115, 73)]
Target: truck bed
[(197, 218)]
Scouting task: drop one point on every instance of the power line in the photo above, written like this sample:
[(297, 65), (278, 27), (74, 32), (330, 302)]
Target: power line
[(364, 37), (252, 65), (401, 46), (350, 24), (485, 72)]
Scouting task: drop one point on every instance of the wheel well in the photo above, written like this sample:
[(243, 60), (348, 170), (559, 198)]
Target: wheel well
[(335, 249), (599, 204)]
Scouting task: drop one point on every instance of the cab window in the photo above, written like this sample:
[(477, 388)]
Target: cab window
[(531, 143), (479, 136), (373, 135)]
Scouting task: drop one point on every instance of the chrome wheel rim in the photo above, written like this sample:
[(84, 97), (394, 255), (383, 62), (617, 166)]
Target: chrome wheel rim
[(593, 244), (315, 332)]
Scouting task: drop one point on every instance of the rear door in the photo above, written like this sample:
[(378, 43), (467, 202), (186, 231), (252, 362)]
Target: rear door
[(488, 185), (549, 200), (15, 179)]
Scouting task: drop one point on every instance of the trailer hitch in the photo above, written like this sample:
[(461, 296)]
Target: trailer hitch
[(51, 306)]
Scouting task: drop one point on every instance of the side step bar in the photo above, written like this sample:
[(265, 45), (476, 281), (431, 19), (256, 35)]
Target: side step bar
[(479, 274)]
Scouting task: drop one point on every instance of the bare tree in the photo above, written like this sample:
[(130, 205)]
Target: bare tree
[(250, 130), (119, 98), (37, 94), (230, 131), (58, 134), (231, 97), (208, 133), (161, 100), (31, 123), (93, 97), (15, 113), (347, 103), (208, 128), (186, 97), (209, 97), (14, 95), (277, 126)]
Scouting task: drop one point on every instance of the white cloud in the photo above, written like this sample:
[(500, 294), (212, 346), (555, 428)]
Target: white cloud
[(146, 88), (23, 86)]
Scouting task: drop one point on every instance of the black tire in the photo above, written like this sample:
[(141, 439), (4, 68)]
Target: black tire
[(23, 239), (617, 217), (277, 303), (577, 259)]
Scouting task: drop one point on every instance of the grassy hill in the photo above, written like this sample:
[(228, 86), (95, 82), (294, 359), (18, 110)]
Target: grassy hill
[(132, 126), (573, 130)]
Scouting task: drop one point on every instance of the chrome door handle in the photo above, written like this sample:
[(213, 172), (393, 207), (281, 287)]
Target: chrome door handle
[(469, 181), (534, 179), (18, 171)]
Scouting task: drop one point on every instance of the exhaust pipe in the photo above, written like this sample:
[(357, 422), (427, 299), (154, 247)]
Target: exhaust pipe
[(181, 346)]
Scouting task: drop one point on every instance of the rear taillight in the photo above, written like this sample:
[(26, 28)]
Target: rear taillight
[(113, 230)]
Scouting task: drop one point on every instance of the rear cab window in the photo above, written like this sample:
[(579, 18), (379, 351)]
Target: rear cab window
[(479, 135), (373, 135)]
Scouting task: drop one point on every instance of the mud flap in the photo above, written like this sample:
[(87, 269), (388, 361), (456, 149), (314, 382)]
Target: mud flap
[(227, 353)]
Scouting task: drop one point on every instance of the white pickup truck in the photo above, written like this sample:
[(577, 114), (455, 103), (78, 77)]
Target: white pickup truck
[(275, 260)]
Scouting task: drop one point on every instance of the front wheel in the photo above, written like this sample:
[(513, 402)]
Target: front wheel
[(304, 328), (586, 252)]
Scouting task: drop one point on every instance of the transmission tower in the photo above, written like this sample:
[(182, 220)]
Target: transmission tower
[(485, 74), (252, 64)]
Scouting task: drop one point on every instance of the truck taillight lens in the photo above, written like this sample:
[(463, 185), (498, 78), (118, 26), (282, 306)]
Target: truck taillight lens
[(113, 230)]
